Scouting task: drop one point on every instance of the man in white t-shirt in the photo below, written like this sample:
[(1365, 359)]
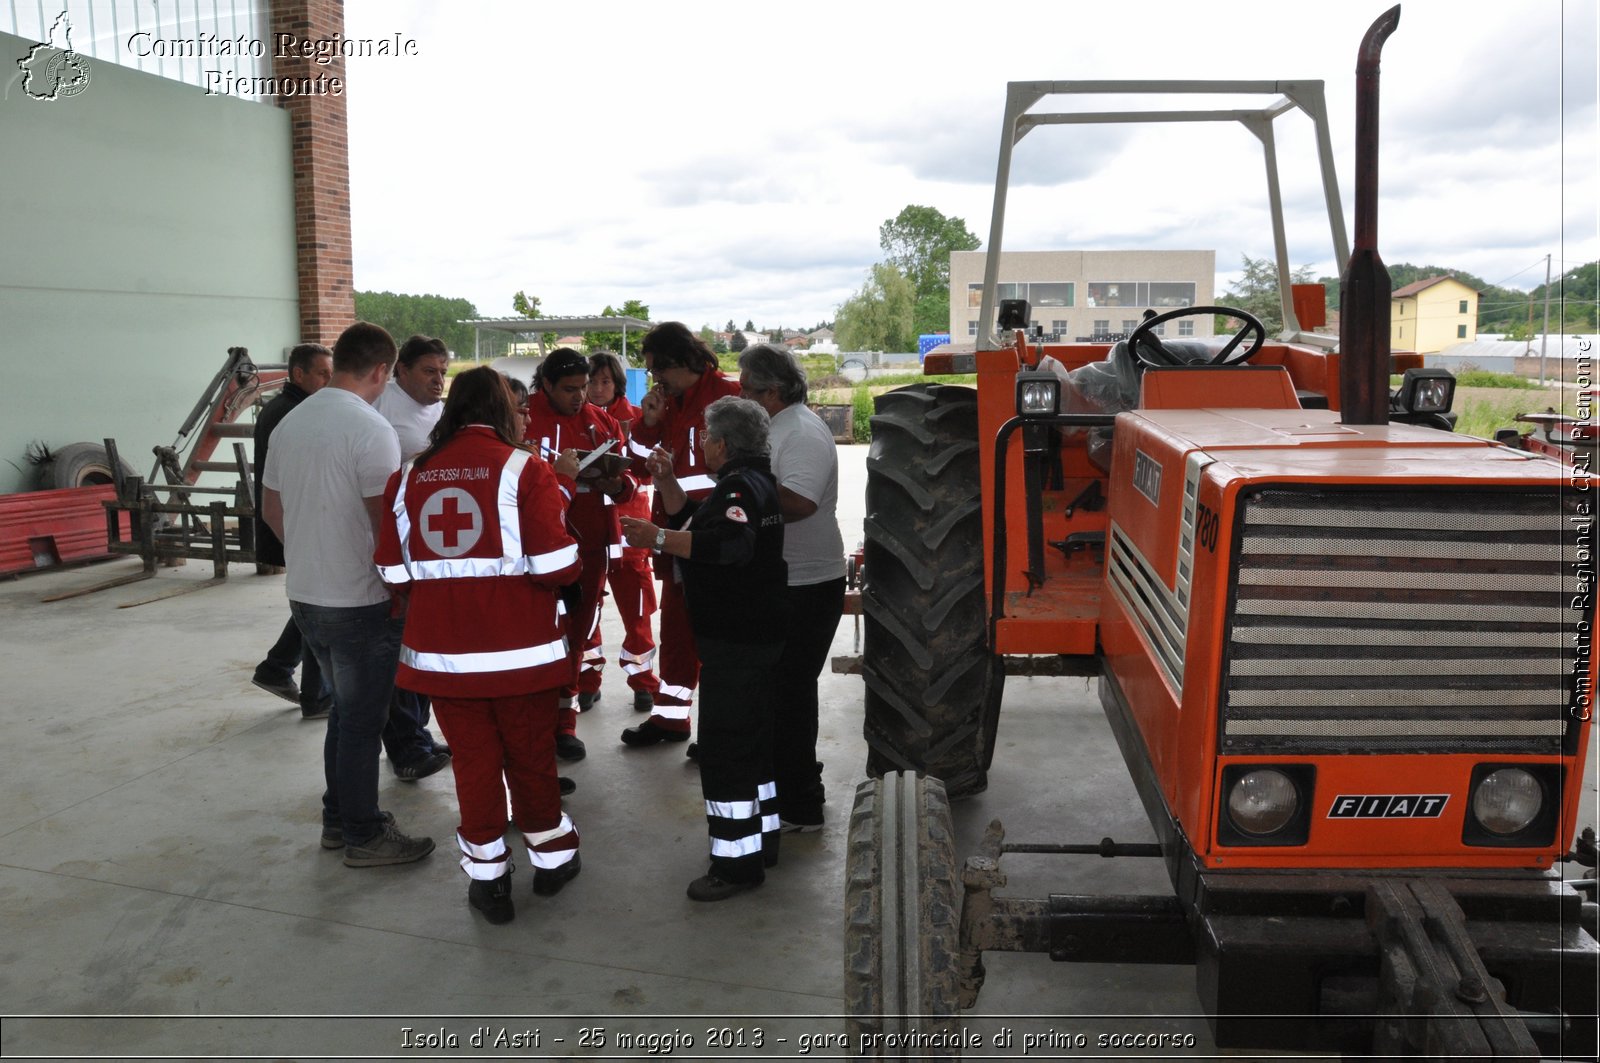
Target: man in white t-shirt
[(322, 494), (412, 403), (414, 399), (806, 465)]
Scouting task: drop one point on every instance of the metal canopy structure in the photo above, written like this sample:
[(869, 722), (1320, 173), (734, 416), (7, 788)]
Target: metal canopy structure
[(538, 326), (1306, 96)]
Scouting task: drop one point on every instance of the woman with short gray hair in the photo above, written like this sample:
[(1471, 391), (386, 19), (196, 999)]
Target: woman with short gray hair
[(728, 551), (805, 464)]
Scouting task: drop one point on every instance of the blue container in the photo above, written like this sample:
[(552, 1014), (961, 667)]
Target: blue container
[(638, 384), (929, 340)]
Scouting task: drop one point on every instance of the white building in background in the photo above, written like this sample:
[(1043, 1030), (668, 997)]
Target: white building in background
[(1077, 295)]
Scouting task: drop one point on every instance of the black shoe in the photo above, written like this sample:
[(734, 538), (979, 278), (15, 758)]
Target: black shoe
[(570, 747), (643, 701), (587, 701), (317, 710), (692, 751), (807, 822), (493, 899), (712, 888), (649, 733), (285, 687), (440, 747), (547, 882), (422, 768), (567, 785)]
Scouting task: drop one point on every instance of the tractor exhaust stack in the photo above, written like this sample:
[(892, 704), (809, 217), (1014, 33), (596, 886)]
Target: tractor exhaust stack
[(1364, 288)]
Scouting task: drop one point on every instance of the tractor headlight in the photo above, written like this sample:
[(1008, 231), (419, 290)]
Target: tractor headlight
[(1507, 800), (1426, 391), (1262, 801), (1038, 395)]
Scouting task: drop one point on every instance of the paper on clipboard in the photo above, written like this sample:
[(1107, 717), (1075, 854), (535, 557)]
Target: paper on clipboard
[(596, 454)]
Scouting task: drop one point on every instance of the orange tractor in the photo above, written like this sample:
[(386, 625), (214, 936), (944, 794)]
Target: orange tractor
[(1345, 654)]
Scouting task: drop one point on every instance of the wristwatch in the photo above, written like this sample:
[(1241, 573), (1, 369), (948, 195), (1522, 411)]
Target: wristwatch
[(661, 540)]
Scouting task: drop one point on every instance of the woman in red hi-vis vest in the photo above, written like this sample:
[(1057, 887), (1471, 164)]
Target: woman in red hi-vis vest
[(560, 416), (631, 579), (673, 416), (474, 545)]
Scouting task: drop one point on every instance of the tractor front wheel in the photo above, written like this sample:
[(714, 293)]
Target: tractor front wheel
[(933, 686)]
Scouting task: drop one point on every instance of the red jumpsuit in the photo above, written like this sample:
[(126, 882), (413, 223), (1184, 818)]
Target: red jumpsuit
[(633, 590), (594, 524), (478, 540), (681, 430)]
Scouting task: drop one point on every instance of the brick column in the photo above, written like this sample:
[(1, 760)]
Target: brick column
[(319, 136)]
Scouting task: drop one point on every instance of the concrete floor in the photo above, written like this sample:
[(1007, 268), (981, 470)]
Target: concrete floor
[(160, 868)]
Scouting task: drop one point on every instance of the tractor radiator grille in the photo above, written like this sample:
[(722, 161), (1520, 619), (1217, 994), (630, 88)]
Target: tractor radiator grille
[(1401, 621)]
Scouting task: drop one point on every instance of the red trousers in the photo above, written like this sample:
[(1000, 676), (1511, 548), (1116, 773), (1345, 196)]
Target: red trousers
[(500, 744), (580, 626), (633, 592), (680, 661)]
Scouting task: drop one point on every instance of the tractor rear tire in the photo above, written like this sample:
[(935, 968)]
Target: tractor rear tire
[(902, 916), (933, 687)]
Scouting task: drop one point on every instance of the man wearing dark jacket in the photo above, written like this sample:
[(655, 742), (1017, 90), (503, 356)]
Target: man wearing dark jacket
[(728, 549), (310, 368)]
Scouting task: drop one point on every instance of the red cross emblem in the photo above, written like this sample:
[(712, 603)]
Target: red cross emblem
[(451, 522)]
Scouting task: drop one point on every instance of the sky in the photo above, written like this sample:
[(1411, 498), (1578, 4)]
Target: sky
[(734, 160)]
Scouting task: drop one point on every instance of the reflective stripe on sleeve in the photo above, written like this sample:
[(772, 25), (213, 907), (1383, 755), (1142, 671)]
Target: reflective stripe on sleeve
[(554, 561), (492, 661)]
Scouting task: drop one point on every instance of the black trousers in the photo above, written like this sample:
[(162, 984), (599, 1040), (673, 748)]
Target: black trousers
[(288, 651), (814, 612), (735, 753)]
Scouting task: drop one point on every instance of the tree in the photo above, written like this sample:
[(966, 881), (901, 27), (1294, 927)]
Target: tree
[(731, 326), (749, 326), (528, 306), (738, 342), (429, 315), (918, 242), (613, 341), (1257, 292), (879, 316)]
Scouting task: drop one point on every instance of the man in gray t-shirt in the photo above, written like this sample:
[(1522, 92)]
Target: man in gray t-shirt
[(322, 494), (806, 466)]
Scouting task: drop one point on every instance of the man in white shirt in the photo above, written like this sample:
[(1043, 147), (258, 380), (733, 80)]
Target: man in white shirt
[(322, 494), (414, 399), (412, 403), (805, 463)]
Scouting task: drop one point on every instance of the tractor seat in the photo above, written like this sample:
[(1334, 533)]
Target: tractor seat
[(1111, 385)]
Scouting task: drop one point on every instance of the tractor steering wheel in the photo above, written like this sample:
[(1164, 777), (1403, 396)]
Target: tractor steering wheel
[(1148, 349)]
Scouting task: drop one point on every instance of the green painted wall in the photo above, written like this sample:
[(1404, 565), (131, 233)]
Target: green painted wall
[(145, 228)]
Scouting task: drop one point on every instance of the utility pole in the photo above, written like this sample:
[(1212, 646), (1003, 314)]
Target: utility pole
[(1544, 341)]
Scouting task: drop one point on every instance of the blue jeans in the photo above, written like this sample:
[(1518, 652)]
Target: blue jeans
[(358, 649)]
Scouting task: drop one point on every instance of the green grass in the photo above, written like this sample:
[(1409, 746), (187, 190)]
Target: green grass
[(1480, 411)]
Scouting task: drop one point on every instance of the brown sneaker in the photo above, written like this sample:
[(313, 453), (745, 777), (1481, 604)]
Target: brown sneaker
[(388, 847)]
